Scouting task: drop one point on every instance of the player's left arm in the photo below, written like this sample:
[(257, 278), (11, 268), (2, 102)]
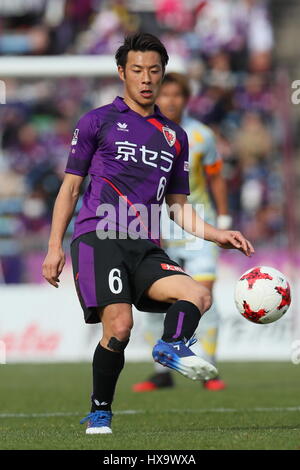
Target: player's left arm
[(183, 213), (213, 165), (220, 194)]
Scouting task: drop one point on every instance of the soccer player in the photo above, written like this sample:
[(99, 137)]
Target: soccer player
[(135, 158), (200, 262)]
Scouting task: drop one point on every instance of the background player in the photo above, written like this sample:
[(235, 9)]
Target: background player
[(205, 167), (122, 145)]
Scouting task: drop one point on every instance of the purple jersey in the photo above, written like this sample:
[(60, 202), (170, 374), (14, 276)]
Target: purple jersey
[(133, 162)]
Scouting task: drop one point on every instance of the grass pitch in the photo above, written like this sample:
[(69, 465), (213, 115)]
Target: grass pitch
[(41, 405)]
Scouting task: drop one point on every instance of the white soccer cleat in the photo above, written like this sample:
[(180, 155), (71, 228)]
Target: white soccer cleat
[(99, 422), (98, 430)]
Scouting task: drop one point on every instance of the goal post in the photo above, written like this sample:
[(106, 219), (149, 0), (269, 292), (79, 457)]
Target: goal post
[(68, 66)]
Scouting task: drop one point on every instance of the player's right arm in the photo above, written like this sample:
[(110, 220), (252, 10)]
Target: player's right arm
[(83, 147), (62, 213)]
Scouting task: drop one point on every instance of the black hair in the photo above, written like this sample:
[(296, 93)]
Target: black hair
[(141, 42)]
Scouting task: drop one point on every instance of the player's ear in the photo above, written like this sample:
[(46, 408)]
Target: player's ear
[(121, 72)]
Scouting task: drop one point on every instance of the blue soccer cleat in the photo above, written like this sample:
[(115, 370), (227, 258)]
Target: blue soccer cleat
[(99, 422), (179, 357)]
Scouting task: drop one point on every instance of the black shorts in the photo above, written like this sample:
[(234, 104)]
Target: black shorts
[(116, 271)]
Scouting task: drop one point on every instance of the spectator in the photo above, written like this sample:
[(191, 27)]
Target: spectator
[(253, 142)]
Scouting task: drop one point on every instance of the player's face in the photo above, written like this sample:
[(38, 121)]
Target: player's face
[(142, 78), (171, 101)]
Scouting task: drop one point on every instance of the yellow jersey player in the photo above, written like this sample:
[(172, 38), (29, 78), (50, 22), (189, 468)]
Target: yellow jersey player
[(196, 256)]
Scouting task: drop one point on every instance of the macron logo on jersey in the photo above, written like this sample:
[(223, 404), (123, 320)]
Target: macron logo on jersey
[(122, 126)]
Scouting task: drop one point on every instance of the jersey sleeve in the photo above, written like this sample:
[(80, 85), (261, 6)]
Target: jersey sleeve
[(212, 160), (179, 181), (83, 146)]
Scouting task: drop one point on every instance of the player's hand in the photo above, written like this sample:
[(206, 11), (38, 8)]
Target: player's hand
[(53, 265), (230, 239)]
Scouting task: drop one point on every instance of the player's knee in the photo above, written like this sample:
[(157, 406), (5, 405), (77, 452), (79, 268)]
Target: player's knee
[(117, 322), (121, 330), (201, 297), (117, 335), (207, 302)]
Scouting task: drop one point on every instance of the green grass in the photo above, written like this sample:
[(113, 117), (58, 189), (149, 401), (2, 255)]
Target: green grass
[(254, 412)]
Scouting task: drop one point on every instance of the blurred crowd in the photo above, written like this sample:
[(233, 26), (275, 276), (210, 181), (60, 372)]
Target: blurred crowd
[(227, 48)]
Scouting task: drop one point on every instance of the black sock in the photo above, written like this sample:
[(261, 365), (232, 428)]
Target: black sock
[(181, 321), (107, 366)]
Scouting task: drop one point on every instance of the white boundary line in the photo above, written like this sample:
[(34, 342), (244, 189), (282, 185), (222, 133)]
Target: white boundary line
[(134, 412)]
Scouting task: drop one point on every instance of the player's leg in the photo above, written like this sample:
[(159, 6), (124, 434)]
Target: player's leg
[(160, 285), (162, 377), (205, 346), (108, 362), (94, 260), (207, 337), (207, 329), (189, 300), (184, 294), (203, 268)]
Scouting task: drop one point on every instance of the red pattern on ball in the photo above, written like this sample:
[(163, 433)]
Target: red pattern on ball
[(285, 296), (251, 314), (254, 275)]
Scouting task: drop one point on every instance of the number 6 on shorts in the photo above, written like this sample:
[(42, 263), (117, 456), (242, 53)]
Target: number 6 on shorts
[(114, 277)]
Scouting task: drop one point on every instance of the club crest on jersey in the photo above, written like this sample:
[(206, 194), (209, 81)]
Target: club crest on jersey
[(170, 135)]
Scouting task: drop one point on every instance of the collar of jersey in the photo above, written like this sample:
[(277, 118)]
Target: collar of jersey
[(122, 106)]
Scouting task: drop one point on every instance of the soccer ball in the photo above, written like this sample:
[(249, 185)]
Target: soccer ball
[(262, 294)]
